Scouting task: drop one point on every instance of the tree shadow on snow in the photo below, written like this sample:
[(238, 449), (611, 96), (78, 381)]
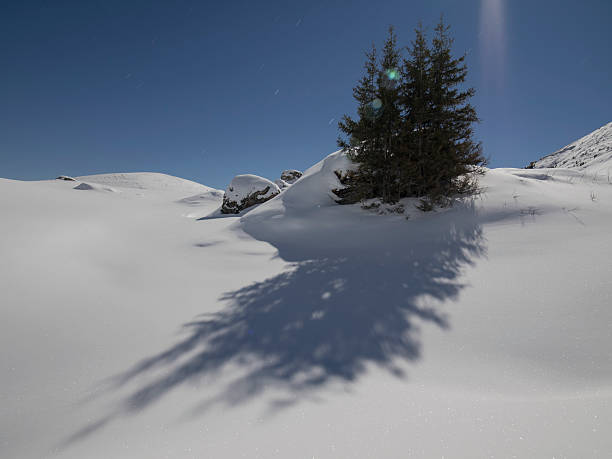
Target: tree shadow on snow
[(326, 318), (354, 296)]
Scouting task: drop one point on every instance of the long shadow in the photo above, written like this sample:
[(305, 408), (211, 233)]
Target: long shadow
[(327, 317), (356, 295)]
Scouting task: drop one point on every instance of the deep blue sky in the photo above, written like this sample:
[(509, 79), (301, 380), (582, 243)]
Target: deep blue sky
[(207, 90)]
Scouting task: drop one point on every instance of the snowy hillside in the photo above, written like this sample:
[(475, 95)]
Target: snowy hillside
[(135, 324), (591, 154), (149, 182)]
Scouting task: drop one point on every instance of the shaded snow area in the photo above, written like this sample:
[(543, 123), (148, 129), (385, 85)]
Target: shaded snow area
[(131, 327), (591, 154)]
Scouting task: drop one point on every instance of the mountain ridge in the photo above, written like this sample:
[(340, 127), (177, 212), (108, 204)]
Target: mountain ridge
[(591, 153)]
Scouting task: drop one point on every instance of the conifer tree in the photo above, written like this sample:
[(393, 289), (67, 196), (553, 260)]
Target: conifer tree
[(416, 103), (455, 156), (414, 135), (374, 138), (360, 134), (389, 123)]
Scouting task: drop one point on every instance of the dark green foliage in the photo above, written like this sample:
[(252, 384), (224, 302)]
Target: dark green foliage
[(374, 140), (414, 135)]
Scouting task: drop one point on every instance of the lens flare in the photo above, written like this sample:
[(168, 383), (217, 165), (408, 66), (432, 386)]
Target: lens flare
[(392, 74), (493, 41), (373, 110)]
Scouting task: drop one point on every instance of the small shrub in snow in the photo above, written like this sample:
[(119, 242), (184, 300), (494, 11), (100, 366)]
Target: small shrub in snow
[(532, 211), (370, 206), (379, 207)]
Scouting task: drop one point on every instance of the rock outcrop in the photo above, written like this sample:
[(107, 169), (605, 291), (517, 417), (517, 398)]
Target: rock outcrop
[(246, 191), (290, 176)]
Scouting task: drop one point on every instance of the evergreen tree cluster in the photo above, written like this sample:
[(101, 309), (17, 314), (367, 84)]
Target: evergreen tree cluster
[(414, 135)]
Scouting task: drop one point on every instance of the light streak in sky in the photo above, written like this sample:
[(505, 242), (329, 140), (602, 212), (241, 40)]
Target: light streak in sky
[(493, 38)]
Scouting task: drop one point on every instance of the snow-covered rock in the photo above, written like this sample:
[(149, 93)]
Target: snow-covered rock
[(592, 154), (246, 191), (281, 184), (290, 176), (66, 178), (314, 190)]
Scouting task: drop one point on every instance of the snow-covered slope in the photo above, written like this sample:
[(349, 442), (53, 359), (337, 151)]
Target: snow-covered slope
[(591, 154), (149, 182), (303, 328)]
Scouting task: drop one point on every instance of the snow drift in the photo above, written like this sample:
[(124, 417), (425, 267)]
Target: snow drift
[(304, 328)]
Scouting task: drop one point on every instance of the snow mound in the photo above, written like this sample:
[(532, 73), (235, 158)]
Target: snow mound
[(592, 153), (95, 187), (307, 210), (247, 190), (313, 190), (148, 181)]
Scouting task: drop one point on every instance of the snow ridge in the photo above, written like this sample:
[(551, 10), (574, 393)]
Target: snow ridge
[(591, 153), (151, 181)]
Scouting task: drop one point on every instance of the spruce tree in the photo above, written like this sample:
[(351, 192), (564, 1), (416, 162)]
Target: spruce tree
[(416, 104), (360, 134), (414, 135), (374, 137), (389, 123), (456, 157)]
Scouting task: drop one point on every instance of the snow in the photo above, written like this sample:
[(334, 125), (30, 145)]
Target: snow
[(132, 327), (592, 154), (151, 182), (244, 185), (94, 186), (281, 184)]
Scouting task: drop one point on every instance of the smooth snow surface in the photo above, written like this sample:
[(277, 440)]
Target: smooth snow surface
[(149, 182), (93, 186), (132, 328), (591, 154)]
